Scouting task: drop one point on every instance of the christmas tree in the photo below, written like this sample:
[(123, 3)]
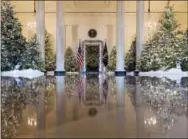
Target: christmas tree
[(49, 54), (50, 58), (12, 40), (70, 60), (112, 60), (163, 50), (31, 57), (184, 61), (130, 57)]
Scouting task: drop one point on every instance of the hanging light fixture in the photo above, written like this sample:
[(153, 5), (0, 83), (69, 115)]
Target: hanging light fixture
[(149, 6), (31, 25), (150, 25), (152, 121), (35, 6), (168, 2), (31, 121)]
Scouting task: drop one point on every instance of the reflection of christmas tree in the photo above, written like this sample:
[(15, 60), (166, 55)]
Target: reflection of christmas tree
[(131, 88), (15, 98), (10, 120), (37, 87), (13, 101), (32, 89), (49, 92), (165, 97), (112, 86), (184, 82), (70, 85)]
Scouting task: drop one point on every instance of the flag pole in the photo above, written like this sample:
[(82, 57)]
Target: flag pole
[(82, 51), (104, 67), (81, 67)]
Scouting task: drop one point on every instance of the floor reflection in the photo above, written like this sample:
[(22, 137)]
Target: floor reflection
[(94, 106)]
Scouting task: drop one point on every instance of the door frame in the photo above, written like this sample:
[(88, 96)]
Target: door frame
[(101, 47)]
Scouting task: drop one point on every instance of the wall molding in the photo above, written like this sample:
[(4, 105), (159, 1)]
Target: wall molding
[(54, 12)]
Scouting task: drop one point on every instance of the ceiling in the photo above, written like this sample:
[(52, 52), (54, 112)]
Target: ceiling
[(98, 6)]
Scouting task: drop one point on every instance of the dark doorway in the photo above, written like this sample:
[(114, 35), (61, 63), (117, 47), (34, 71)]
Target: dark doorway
[(92, 60)]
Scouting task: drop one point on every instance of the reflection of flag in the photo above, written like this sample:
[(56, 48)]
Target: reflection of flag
[(105, 89), (105, 55), (80, 88), (79, 56)]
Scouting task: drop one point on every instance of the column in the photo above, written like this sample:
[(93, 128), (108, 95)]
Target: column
[(121, 121), (59, 39), (139, 111), (41, 115), (60, 111), (120, 40), (139, 29), (40, 25)]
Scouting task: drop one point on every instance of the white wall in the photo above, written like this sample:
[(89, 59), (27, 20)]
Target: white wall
[(78, 22)]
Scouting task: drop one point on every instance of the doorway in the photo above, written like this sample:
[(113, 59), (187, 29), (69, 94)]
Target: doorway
[(92, 60)]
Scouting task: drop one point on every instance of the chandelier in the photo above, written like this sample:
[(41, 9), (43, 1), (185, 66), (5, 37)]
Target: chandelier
[(151, 28), (32, 121), (150, 121), (31, 25), (151, 25)]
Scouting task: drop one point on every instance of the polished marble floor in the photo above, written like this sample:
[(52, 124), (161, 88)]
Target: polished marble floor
[(94, 106)]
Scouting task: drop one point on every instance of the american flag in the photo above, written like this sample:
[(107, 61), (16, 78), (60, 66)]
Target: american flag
[(79, 56), (105, 55), (105, 90), (80, 88)]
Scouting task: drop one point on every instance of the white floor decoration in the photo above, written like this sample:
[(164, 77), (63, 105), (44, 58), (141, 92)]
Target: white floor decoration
[(72, 73), (29, 73), (173, 74), (130, 73), (110, 73)]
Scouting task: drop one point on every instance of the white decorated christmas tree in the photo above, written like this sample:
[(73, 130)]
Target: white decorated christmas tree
[(31, 58), (70, 61), (184, 60), (12, 40), (163, 50), (130, 57), (49, 53), (112, 59)]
